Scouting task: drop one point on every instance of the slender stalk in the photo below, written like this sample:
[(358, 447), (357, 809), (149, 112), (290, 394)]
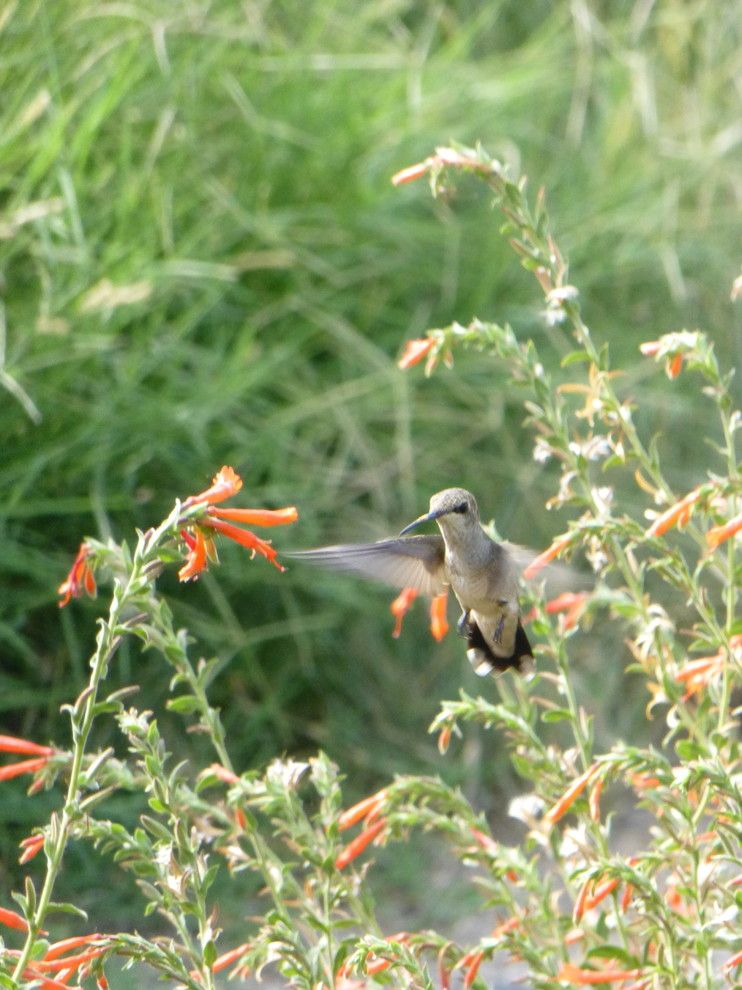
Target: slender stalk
[(108, 641)]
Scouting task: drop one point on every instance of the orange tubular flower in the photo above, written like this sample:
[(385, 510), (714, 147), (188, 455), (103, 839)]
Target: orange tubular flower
[(719, 534), (506, 927), (547, 556), (674, 362), (438, 623), (225, 775), (600, 893), (569, 797), (80, 579), (473, 962), (225, 483), (594, 799), (12, 744), (357, 846), (444, 739), (69, 962), (734, 961), (570, 603), (25, 766), (697, 674), (46, 982), (246, 539), (13, 920), (400, 607), (258, 517), (591, 977), (31, 846), (677, 515), (626, 897), (485, 841), (197, 555), (415, 351), (411, 173), (674, 365), (66, 945), (368, 806), (230, 957), (374, 966), (644, 781)]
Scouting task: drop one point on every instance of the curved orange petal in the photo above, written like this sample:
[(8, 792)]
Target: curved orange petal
[(258, 517), (400, 607), (245, 538), (415, 351), (196, 560), (569, 797), (225, 483), (547, 556), (438, 622), (357, 846)]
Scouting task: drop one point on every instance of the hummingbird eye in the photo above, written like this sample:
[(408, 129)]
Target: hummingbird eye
[(463, 507)]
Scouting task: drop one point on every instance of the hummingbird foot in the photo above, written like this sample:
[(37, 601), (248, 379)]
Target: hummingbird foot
[(464, 626)]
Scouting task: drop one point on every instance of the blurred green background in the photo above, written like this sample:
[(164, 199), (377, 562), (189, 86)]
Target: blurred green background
[(202, 261)]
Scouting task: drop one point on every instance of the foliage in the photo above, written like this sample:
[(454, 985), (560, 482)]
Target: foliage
[(202, 262), (568, 904)]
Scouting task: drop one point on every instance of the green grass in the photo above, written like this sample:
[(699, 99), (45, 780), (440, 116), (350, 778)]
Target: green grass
[(226, 167)]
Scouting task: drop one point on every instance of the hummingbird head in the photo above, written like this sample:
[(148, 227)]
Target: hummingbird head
[(456, 505)]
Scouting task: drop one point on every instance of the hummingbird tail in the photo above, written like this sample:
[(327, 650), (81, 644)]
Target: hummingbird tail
[(484, 661)]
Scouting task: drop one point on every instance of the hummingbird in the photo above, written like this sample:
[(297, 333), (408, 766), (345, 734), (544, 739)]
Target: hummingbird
[(482, 573)]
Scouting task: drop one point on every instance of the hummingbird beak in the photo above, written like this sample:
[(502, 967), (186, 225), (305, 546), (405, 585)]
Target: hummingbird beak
[(427, 517)]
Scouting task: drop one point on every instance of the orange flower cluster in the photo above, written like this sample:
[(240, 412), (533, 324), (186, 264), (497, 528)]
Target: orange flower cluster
[(678, 514), (403, 602), (55, 968), (698, 673), (198, 535), (369, 809), (40, 756), (80, 579)]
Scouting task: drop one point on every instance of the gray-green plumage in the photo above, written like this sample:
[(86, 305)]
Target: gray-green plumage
[(481, 573)]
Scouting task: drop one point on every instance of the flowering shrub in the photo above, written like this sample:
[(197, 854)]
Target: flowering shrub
[(570, 907)]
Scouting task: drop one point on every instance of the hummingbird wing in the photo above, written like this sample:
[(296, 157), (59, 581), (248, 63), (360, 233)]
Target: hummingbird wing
[(406, 562)]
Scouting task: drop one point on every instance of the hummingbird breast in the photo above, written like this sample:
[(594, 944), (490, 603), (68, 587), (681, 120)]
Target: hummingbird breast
[(482, 581)]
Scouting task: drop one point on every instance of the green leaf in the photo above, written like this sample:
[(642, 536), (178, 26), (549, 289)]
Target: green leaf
[(557, 715), (64, 907), (688, 750), (574, 357), (607, 951), (185, 704)]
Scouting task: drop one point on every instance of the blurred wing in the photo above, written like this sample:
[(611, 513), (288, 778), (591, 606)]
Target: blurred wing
[(409, 562), (557, 577)]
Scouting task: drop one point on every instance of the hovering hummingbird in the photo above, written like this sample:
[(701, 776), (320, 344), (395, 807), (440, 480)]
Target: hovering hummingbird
[(482, 573)]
